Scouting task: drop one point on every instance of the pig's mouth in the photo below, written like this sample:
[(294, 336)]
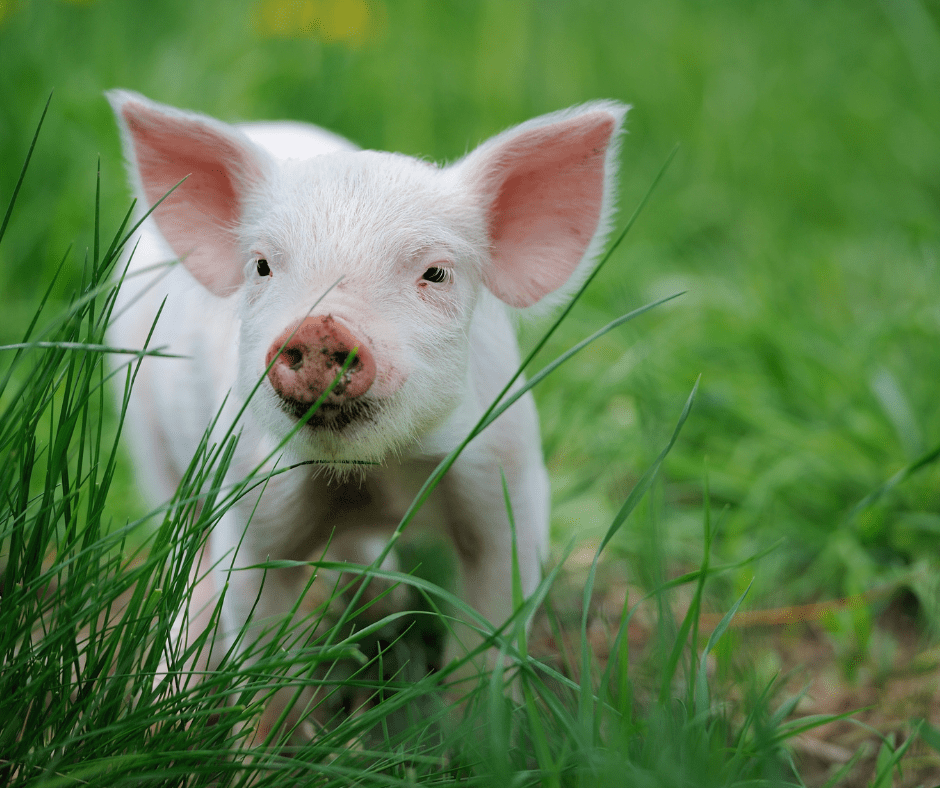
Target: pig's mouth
[(331, 416)]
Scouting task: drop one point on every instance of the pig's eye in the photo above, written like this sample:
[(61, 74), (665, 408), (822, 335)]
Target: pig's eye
[(436, 275), (263, 268)]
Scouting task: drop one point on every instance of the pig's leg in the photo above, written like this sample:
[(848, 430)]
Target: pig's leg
[(479, 526), (214, 570), (191, 623), (264, 596), (267, 597), (197, 617), (255, 606), (364, 545)]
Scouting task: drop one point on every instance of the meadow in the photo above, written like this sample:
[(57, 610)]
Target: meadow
[(798, 217)]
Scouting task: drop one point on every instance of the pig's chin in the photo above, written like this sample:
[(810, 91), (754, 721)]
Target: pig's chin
[(347, 438), (330, 417)]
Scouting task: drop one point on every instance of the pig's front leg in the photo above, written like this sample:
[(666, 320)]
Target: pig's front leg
[(263, 597), (257, 603), (256, 595), (297, 515), (479, 527)]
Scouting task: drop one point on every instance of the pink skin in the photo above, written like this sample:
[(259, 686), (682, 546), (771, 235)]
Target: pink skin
[(546, 206), (205, 204)]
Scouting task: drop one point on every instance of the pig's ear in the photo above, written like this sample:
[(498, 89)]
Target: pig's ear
[(163, 145), (547, 189)]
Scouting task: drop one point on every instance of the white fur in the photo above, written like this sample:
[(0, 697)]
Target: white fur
[(324, 213)]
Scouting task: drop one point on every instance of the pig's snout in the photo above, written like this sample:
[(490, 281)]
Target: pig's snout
[(313, 356)]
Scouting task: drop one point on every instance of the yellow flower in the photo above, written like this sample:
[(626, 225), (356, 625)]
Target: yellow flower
[(7, 7), (349, 21)]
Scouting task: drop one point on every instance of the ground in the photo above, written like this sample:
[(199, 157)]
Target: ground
[(888, 686)]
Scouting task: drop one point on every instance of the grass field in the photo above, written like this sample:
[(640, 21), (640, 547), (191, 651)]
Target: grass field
[(799, 217)]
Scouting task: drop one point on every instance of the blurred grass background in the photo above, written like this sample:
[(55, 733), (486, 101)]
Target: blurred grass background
[(800, 216)]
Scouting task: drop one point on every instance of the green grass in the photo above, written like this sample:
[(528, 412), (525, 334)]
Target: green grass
[(800, 217)]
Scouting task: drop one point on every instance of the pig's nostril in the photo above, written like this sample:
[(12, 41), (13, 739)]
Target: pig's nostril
[(293, 358), (339, 357)]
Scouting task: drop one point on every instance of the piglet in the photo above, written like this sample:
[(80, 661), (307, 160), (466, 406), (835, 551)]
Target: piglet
[(306, 263)]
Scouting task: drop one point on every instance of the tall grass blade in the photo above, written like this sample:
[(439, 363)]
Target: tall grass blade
[(633, 499), (19, 181)]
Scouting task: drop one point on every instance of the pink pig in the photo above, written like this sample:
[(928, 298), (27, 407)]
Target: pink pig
[(425, 260)]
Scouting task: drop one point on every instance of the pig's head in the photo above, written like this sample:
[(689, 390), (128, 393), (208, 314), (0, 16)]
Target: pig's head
[(410, 247)]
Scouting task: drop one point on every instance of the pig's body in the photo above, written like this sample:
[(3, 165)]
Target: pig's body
[(422, 259)]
